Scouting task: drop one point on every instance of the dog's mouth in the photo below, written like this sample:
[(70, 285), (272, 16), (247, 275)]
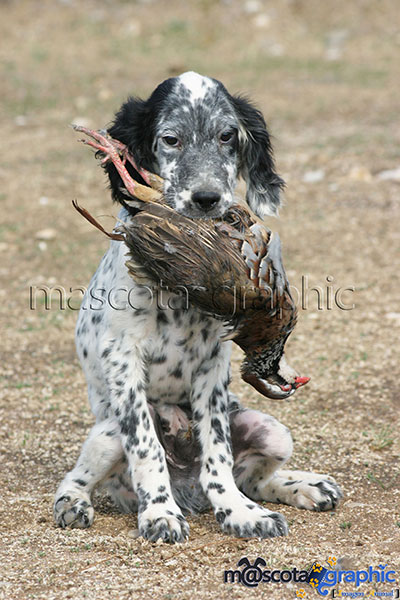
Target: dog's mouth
[(195, 213)]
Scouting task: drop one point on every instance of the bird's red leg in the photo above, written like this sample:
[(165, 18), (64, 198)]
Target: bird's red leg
[(112, 149), (153, 180)]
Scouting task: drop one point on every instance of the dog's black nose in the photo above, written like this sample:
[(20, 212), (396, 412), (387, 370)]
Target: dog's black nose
[(206, 199)]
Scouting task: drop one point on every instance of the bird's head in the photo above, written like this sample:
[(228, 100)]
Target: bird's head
[(272, 378)]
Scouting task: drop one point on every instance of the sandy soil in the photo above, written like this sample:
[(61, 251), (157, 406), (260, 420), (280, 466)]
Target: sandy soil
[(326, 76)]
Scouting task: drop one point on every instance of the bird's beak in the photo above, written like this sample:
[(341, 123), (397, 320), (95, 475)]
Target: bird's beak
[(270, 390), (299, 381), (292, 387), (274, 390)]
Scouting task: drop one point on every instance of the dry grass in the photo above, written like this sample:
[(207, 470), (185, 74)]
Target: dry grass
[(326, 76)]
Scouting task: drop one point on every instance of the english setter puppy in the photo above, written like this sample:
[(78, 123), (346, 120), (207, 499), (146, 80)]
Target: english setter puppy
[(169, 437)]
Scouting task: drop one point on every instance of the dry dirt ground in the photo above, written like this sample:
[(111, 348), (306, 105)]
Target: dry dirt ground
[(325, 73)]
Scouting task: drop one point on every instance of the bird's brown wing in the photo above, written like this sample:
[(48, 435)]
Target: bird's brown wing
[(188, 253)]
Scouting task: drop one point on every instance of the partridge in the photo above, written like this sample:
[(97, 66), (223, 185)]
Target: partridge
[(229, 267)]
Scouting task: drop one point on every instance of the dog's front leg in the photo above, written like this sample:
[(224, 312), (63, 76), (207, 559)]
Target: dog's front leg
[(158, 514), (236, 513)]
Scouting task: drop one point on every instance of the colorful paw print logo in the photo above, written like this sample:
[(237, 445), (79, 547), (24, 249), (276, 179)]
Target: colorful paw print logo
[(301, 593), (332, 561), (313, 582), (317, 568)]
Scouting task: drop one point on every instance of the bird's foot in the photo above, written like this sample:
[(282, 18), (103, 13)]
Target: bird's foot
[(118, 153)]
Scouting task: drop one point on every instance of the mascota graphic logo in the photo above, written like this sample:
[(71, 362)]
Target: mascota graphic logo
[(323, 579)]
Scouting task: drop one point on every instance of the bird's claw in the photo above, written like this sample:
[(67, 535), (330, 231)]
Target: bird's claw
[(118, 153)]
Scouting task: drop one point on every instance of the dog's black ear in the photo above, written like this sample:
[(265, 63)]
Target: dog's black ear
[(257, 165), (133, 126)]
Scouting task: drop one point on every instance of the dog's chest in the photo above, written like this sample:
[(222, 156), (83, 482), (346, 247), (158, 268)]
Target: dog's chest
[(178, 348)]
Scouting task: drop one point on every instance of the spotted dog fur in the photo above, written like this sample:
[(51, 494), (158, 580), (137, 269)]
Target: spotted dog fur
[(169, 437)]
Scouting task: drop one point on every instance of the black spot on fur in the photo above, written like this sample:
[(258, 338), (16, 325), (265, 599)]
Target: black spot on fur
[(217, 429), (204, 334), (157, 360), (216, 486), (161, 499), (80, 482), (162, 318), (177, 372), (215, 350), (220, 516)]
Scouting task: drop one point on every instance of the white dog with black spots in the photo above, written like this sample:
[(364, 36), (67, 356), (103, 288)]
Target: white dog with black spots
[(169, 437)]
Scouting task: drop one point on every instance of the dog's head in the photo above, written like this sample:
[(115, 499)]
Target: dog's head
[(199, 138)]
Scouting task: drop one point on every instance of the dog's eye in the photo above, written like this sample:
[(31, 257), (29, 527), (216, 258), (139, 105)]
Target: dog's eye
[(226, 137), (170, 140)]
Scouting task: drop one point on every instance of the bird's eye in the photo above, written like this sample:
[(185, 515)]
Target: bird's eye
[(226, 136), (170, 140)]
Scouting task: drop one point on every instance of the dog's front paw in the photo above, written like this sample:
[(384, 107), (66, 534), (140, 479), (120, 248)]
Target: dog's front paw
[(167, 525), (252, 520), (71, 510)]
